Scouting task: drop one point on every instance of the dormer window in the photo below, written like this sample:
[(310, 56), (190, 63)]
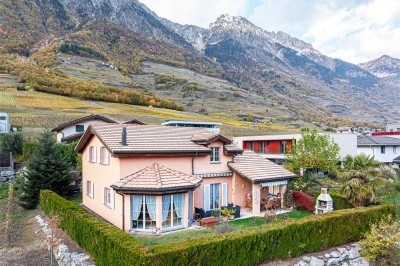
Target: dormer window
[(215, 158)]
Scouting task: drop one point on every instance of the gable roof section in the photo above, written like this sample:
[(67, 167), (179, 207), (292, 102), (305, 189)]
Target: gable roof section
[(157, 178), (82, 119), (258, 169), (232, 149), (208, 137), (378, 141), (134, 122), (146, 139)]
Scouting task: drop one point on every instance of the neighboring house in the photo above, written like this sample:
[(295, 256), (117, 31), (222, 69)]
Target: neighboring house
[(393, 127), (73, 130), (276, 147), (5, 126), (210, 126), (345, 130), (134, 122), (385, 149), (151, 178)]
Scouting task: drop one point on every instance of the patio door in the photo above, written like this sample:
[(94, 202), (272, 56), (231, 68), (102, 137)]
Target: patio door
[(143, 212), (190, 206), (172, 210)]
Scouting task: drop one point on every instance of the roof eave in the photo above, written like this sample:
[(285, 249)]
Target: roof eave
[(157, 190)]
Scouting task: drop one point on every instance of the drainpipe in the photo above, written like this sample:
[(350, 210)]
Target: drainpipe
[(193, 163), (123, 210)]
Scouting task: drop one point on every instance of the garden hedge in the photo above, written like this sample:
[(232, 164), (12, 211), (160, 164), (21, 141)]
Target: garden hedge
[(339, 201), (110, 246)]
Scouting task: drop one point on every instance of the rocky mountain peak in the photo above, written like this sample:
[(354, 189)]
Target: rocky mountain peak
[(237, 23), (383, 67)]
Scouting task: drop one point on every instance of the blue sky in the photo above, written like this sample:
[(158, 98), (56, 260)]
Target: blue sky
[(352, 30)]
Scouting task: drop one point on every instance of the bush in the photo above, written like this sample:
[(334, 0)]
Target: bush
[(106, 243), (224, 228), (111, 246), (339, 201), (303, 200), (381, 243), (29, 149), (12, 142)]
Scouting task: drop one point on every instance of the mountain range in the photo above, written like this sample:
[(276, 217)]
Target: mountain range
[(273, 69)]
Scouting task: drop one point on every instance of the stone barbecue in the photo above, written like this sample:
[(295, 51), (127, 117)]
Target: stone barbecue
[(324, 202)]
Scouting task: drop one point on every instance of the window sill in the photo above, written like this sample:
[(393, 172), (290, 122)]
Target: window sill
[(215, 162)]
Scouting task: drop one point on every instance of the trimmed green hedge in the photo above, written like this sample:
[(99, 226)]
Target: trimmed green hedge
[(339, 201), (110, 246), (107, 244)]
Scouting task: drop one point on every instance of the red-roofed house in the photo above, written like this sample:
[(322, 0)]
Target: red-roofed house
[(150, 178)]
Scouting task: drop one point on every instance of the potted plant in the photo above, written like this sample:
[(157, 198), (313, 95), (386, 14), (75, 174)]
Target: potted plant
[(225, 214), (232, 214)]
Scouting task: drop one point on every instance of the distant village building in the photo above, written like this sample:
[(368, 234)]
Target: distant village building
[(345, 130), (393, 127), (4, 123), (210, 126)]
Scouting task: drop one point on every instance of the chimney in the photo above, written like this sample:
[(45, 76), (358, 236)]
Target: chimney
[(124, 142)]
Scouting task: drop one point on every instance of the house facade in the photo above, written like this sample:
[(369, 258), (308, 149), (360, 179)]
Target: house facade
[(276, 147), (385, 149), (73, 130), (150, 178)]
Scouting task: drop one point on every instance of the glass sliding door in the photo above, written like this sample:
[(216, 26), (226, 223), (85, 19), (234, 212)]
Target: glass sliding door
[(172, 210), (143, 212), (214, 196)]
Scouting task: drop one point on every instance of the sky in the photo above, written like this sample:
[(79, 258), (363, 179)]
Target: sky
[(353, 30)]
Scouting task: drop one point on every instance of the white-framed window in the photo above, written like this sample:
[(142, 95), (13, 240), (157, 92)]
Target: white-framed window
[(394, 149), (143, 212), (172, 210), (215, 196), (274, 189), (89, 188), (107, 197), (104, 156), (92, 155), (383, 149), (215, 156)]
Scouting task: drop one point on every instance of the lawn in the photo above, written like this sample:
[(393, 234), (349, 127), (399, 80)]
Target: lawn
[(238, 224), (77, 200), (392, 200)]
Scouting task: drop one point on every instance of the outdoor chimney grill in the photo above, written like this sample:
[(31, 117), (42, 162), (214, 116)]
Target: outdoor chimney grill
[(324, 202)]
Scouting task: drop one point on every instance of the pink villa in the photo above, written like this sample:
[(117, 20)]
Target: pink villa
[(147, 178)]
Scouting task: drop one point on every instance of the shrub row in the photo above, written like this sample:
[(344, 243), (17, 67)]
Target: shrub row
[(303, 200), (107, 244), (111, 246), (254, 245), (339, 201)]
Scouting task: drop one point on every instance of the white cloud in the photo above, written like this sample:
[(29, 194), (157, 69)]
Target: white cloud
[(196, 12)]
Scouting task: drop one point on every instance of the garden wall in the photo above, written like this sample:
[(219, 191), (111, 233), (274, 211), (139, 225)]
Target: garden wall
[(111, 246)]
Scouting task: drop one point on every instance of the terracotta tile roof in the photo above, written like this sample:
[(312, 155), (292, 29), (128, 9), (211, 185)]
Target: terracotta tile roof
[(72, 137), (157, 177), (82, 119), (233, 149), (256, 168), (146, 139), (207, 137)]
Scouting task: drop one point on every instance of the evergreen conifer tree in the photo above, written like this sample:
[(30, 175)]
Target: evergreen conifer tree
[(47, 169)]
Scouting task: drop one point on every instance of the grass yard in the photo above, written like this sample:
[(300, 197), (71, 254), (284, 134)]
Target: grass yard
[(77, 200), (238, 224), (3, 191), (392, 200)]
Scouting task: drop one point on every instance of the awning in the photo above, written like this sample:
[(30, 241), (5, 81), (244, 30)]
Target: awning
[(274, 183)]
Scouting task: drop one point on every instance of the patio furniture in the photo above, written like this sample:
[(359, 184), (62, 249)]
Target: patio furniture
[(269, 204), (277, 202), (208, 221), (199, 212), (249, 203)]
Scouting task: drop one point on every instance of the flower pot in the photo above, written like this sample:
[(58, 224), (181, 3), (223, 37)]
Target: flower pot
[(224, 219), (232, 217)]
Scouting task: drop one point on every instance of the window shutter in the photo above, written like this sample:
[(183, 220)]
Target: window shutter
[(224, 194), (207, 197), (98, 155), (102, 195), (112, 206), (92, 189), (106, 156), (88, 153), (84, 189)]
